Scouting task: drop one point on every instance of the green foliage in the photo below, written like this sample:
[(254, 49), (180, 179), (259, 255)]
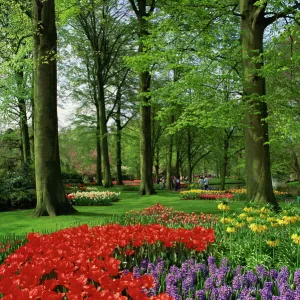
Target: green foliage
[(17, 189), (21, 199)]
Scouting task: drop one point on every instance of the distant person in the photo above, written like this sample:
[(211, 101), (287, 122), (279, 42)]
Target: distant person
[(163, 181), (205, 182), (201, 182)]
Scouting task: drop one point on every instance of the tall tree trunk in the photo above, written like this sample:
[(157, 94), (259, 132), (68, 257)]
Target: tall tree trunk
[(23, 121), (169, 158), (118, 141), (32, 132), (146, 157), (107, 182), (258, 169), (98, 145), (178, 163), (146, 187), (51, 198), (157, 164), (296, 165), (189, 157), (224, 163)]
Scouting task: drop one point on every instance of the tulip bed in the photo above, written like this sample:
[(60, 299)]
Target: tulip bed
[(204, 195), (86, 262)]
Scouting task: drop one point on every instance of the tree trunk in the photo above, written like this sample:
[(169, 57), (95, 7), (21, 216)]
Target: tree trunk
[(224, 164), (157, 165), (258, 169), (98, 145), (107, 182), (178, 163), (51, 198), (296, 166), (146, 187), (189, 157), (169, 160), (146, 157), (118, 142), (23, 121), (32, 134)]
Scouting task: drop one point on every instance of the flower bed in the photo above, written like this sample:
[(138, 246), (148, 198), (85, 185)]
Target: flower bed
[(83, 262), (94, 198), (204, 195), (209, 281), (167, 216)]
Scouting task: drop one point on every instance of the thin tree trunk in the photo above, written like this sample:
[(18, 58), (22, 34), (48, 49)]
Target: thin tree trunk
[(169, 159), (107, 182), (157, 165), (146, 187), (118, 142), (98, 145), (296, 166), (189, 157), (258, 168), (224, 164), (51, 198), (23, 121), (32, 134)]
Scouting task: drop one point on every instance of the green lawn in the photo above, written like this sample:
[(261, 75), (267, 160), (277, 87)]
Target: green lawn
[(21, 222), (227, 181), (294, 184)]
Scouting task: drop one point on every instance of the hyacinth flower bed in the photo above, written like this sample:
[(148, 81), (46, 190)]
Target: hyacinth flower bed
[(93, 198), (204, 281), (87, 263)]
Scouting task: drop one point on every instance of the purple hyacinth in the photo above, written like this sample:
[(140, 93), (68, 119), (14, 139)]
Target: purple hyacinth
[(283, 276), (251, 278), (238, 270), (160, 267), (188, 284), (237, 282), (200, 295), (209, 284), (261, 272), (297, 278), (136, 272), (224, 292), (273, 274), (171, 287), (144, 265), (266, 291), (211, 265)]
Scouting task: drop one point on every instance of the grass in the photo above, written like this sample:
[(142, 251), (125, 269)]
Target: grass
[(227, 181), (22, 222), (294, 184)]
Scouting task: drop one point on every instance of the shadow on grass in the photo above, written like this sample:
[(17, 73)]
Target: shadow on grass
[(92, 214)]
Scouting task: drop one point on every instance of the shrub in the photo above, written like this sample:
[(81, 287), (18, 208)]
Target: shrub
[(5, 203), (23, 199)]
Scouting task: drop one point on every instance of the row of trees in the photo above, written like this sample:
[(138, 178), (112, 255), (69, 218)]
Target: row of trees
[(199, 67)]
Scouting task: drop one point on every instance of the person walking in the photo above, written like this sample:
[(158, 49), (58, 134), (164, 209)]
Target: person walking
[(205, 182)]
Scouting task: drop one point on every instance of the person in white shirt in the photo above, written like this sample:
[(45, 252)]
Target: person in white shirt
[(205, 181)]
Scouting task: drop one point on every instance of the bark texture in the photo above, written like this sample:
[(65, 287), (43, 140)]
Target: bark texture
[(258, 169), (51, 199), (146, 157)]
